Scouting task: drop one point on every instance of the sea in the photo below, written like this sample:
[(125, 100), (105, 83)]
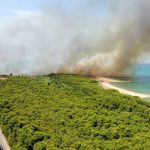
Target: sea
[(139, 77)]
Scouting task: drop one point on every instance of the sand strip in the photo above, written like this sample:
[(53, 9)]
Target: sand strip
[(106, 83), (102, 79)]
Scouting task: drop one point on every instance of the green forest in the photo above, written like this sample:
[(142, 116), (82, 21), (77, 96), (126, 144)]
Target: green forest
[(71, 112)]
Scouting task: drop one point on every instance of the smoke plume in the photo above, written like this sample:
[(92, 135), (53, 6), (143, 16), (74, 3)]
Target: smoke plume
[(90, 37)]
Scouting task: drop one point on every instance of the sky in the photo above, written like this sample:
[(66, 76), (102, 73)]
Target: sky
[(8, 7)]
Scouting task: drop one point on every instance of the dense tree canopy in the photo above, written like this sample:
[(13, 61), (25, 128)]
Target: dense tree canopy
[(71, 112)]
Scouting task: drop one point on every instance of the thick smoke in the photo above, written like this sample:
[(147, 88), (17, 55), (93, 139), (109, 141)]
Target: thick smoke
[(91, 37)]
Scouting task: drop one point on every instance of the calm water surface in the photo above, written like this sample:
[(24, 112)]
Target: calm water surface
[(140, 80)]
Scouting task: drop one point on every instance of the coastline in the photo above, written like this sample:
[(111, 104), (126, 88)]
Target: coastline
[(106, 83)]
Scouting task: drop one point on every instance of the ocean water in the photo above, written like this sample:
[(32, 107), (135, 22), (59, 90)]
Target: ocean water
[(139, 75)]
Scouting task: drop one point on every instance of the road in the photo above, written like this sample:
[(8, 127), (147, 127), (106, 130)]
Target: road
[(3, 141)]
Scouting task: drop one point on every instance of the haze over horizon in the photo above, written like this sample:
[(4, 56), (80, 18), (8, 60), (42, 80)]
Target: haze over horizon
[(83, 37)]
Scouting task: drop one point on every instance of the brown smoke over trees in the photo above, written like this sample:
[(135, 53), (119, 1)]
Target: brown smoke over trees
[(91, 37)]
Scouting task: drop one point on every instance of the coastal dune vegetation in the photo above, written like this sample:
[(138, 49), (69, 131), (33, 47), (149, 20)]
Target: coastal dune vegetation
[(71, 112)]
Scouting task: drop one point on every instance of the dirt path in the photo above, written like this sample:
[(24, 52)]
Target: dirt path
[(3, 141), (2, 78)]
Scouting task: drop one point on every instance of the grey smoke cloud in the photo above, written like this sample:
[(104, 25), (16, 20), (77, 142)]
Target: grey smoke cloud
[(92, 38)]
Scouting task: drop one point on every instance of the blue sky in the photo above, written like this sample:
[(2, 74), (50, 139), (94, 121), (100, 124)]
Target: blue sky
[(8, 6)]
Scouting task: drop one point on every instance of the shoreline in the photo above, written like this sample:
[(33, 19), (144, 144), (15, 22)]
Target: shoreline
[(106, 83)]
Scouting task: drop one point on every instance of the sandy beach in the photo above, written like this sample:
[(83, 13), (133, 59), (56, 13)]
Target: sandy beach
[(106, 83)]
